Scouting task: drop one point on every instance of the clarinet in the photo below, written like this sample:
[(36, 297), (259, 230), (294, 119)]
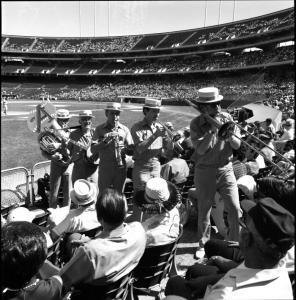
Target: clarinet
[(118, 148)]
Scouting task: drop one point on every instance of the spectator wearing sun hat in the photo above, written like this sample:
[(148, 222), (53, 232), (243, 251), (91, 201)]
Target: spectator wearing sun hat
[(288, 135), (83, 218), (84, 166), (112, 141), (159, 213), (213, 166)]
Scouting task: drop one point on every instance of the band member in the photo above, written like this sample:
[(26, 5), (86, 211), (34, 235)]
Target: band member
[(84, 167), (213, 167), (112, 141), (149, 138), (60, 160)]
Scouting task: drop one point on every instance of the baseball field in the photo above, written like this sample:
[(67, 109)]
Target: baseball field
[(19, 146)]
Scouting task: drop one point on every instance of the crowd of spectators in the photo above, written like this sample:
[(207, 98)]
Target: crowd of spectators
[(279, 95), (245, 29), (219, 61), (125, 43)]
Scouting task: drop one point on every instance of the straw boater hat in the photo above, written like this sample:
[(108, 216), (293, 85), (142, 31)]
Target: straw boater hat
[(63, 114), (208, 95), (20, 214), (84, 192), (152, 103), (86, 113), (113, 106), (159, 196)]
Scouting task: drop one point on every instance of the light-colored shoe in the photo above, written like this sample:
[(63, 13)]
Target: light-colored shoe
[(200, 253)]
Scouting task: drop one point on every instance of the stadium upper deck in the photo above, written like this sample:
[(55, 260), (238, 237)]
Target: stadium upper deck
[(279, 25)]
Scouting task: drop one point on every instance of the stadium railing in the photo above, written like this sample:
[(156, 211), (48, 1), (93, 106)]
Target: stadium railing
[(19, 186)]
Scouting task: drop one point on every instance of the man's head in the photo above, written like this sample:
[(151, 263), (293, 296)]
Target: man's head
[(63, 117), (85, 119), (151, 109), (267, 230), (23, 252), (111, 208), (209, 101), (112, 112)]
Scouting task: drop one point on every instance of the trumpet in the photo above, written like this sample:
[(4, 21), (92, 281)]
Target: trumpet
[(177, 145), (118, 148), (219, 126)]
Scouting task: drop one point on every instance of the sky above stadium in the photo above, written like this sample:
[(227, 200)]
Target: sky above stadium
[(115, 18)]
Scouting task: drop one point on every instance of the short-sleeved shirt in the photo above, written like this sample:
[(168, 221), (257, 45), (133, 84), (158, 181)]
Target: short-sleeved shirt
[(220, 151), (176, 170), (107, 152), (106, 258), (82, 138), (141, 131), (78, 220), (47, 289), (162, 228)]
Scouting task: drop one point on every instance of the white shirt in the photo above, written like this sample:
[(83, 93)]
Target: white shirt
[(243, 283), (161, 228), (78, 220), (106, 259)]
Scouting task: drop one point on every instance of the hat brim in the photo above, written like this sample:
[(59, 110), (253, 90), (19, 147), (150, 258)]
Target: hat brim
[(147, 206), (205, 100), (76, 200), (113, 109), (86, 116), (152, 107)]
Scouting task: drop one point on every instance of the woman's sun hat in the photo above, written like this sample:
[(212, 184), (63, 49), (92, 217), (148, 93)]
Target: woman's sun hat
[(159, 196), (84, 192)]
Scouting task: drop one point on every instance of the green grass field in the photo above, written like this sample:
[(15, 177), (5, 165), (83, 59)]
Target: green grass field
[(19, 146)]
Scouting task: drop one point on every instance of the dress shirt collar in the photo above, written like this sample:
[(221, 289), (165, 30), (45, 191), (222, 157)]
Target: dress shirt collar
[(246, 276)]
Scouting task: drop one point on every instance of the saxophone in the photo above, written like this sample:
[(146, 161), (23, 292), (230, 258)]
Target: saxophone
[(118, 148)]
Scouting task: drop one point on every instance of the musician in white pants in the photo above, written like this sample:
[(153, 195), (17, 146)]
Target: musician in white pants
[(112, 141)]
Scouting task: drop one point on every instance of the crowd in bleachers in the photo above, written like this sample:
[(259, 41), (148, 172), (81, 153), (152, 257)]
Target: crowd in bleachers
[(280, 96), (245, 28), (126, 43)]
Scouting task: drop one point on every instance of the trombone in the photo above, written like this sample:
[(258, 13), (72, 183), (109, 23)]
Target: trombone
[(171, 137), (218, 125)]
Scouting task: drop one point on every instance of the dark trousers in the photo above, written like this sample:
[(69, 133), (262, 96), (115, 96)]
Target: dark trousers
[(199, 276)]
